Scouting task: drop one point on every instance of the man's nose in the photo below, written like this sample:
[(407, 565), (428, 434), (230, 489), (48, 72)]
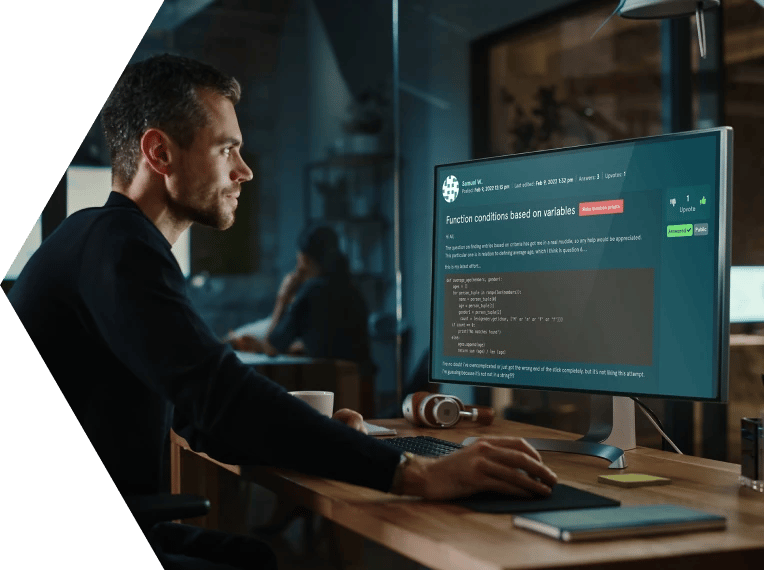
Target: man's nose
[(242, 172)]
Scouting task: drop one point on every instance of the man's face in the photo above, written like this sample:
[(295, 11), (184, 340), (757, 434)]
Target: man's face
[(208, 177)]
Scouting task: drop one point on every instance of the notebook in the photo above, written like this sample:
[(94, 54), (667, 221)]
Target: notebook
[(588, 524)]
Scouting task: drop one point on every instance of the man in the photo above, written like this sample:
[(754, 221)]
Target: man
[(104, 301)]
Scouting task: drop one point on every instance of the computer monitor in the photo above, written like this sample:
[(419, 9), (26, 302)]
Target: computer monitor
[(601, 268), (747, 294)]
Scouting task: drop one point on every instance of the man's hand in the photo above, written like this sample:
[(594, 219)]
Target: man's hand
[(351, 418), (502, 464)]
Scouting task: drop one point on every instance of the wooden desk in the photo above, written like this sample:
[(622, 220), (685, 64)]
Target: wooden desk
[(192, 473), (446, 536)]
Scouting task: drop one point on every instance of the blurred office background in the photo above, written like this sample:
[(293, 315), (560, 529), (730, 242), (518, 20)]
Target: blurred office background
[(347, 106)]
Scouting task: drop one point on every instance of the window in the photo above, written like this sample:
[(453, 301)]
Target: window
[(552, 85), (88, 186), (33, 241)]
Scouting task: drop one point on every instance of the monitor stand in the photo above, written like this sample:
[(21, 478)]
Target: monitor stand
[(611, 432)]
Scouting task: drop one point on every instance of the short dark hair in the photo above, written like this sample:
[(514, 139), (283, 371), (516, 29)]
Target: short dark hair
[(158, 92)]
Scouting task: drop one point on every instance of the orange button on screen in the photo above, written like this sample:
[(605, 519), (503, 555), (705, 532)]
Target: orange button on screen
[(600, 208)]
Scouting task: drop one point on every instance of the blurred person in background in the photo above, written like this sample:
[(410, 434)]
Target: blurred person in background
[(318, 311)]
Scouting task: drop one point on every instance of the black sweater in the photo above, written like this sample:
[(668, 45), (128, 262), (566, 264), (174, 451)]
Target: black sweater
[(104, 302)]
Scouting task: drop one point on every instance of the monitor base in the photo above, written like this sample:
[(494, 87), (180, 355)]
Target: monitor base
[(611, 432), (613, 454)]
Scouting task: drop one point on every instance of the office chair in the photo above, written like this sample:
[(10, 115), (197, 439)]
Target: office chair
[(154, 508), (161, 507)]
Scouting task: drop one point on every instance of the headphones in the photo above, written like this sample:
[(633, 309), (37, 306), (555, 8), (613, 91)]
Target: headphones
[(441, 411)]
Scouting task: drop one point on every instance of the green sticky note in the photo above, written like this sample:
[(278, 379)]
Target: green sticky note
[(633, 480)]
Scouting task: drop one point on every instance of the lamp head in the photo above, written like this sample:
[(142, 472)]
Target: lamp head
[(659, 9), (649, 9)]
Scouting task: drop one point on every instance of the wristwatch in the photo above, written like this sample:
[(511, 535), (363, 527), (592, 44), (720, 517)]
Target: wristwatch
[(396, 487)]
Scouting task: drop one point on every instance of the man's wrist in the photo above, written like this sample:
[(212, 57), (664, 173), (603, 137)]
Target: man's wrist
[(396, 487), (410, 476)]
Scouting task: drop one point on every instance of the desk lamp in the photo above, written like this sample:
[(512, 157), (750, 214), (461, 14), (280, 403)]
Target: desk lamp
[(659, 9)]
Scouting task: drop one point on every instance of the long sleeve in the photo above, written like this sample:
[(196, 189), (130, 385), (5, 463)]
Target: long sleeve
[(237, 414), (105, 303)]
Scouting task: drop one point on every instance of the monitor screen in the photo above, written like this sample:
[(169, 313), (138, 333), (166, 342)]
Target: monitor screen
[(747, 294), (601, 268)]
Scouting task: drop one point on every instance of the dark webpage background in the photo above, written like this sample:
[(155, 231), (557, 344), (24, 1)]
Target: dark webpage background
[(601, 303)]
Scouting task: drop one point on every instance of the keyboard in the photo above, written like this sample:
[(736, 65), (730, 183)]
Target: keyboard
[(424, 445)]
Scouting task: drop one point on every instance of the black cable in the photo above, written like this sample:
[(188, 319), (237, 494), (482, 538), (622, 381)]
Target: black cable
[(649, 411), (652, 414)]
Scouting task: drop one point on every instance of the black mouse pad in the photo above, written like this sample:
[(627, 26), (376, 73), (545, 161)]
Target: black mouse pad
[(562, 497)]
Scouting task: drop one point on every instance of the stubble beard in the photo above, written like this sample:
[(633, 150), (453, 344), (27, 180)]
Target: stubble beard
[(216, 218), (214, 215)]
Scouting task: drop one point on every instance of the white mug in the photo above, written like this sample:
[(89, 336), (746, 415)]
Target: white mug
[(323, 402)]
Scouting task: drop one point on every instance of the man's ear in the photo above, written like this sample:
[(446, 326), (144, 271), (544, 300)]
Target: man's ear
[(156, 149)]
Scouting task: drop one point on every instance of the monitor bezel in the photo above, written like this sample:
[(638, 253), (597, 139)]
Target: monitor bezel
[(722, 334)]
